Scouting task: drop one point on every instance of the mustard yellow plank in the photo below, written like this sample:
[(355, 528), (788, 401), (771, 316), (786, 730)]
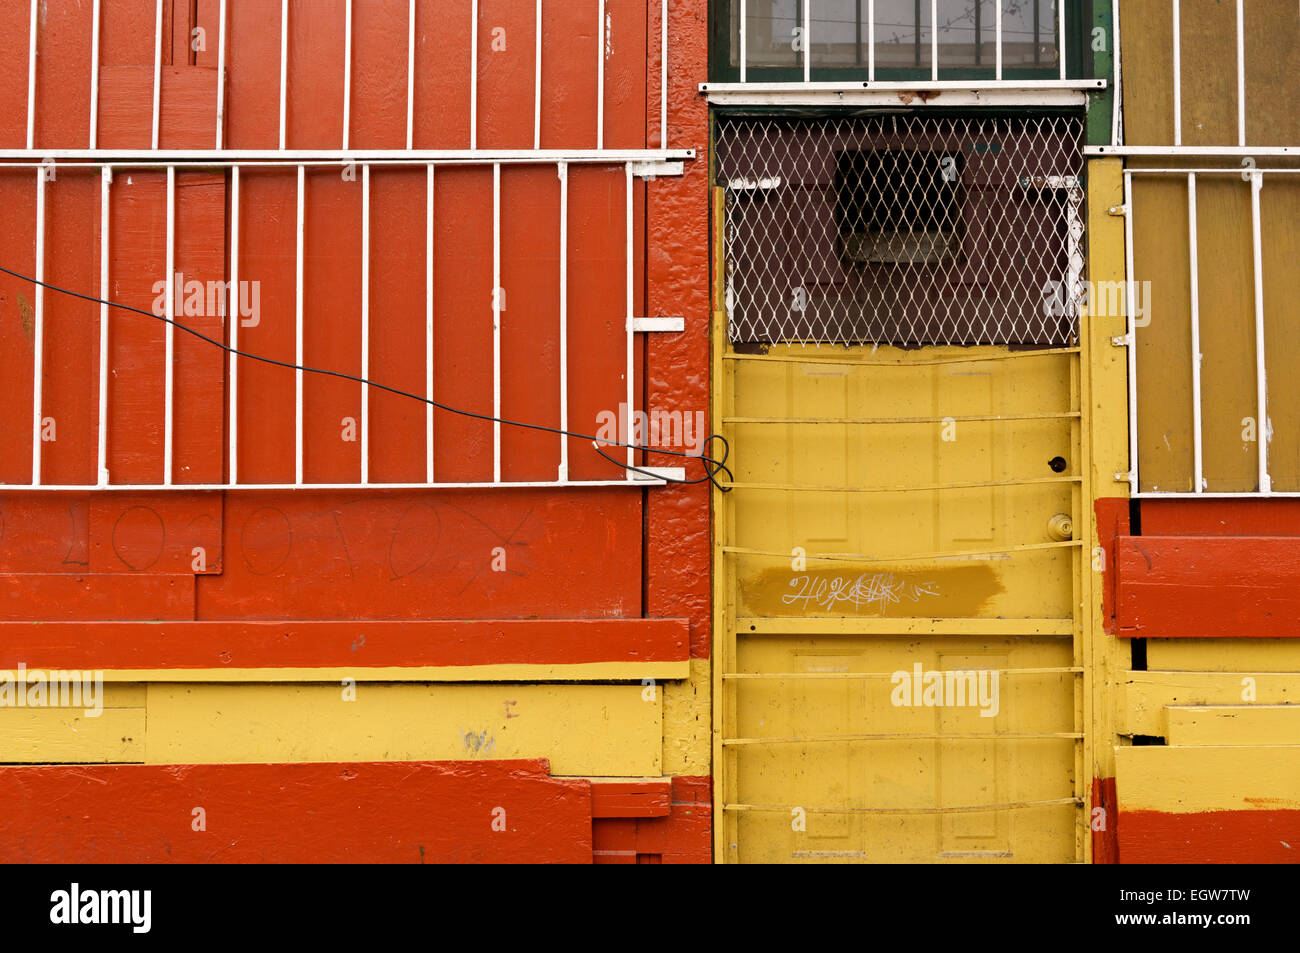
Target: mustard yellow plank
[(69, 735), (507, 672), (1224, 655), (1185, 780), (582, 729), (1148, 694), (1234, 725), (687, 737)]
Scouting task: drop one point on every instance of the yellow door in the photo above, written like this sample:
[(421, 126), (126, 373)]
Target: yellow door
[(898, 579)]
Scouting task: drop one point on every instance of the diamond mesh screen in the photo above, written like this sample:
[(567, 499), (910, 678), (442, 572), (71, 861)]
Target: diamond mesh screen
[(902, 229)]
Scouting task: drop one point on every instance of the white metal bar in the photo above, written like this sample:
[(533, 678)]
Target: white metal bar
[(601, 41), (934, 39), (1060, 35), (631, 310), (157, 69), (537, 77), (428, 324), (1241, 74), (807, 52), (221, 75), (504, 485), (94, 73), (871, 40), (233, 317), (663, 74), (886, 95), (1129, 307), (1198, 468), (659, 324), (284, 64), (207, 158), (410, 74), (105, 179), (298, 328), (1117, 98), (1226, 151), (1178, 74), (473, 75), (169, 340), (347, 72), (1262, 428), (997, 39), (38, 330), (496, 322), (365, 323), (562, 170), (31, 80), (743, 39)]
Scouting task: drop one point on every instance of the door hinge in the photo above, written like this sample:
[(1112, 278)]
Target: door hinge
[(1122, 340), (1117, 210)]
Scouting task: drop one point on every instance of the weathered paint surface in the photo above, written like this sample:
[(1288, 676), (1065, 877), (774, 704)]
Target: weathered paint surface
[(252, 590)]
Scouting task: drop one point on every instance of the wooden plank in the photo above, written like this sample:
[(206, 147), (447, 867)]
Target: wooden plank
[(347, 645), (605, 730), (1188, 780), (67, 597), (161, 533), (649, 797), (1224, 655), (66, 735), (44, 532), (395, 812), (1147, 694), (1197, 586), (1233, 725)]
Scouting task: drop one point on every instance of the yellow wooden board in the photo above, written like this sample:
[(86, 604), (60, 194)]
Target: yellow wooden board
[(1184, 780), (1224, 655), (1148, 694), (70, 736), (1234, 725), (608, 730)]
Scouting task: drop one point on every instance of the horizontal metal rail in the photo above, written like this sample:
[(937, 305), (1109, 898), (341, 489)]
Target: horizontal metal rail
[(902, 488), (971, 418), (926, 362), (962, 809), (269, 158), (906, 557), (750, 676), (906, 736)]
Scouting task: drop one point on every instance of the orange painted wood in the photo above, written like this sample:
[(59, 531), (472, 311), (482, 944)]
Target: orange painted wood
[(506, 51), (39, 597), (361, 812), (62, 71), (682, 837), (223, 644), (17, 304), (1105, 841), (1112, 522), (155, 532), (1210, 837), (442, 75), (315, 73), (631, 798), (253, 75), (1275, 517), (48, 532), (1191, 586)]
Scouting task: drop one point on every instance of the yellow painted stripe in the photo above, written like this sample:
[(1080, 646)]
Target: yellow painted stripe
[(1148, 694), (1187, 780), (606, 730), (514, 672), (68, 735), (1224, 655), (1234, 725)]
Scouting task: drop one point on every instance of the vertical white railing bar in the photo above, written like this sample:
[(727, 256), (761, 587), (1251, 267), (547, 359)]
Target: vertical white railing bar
[(537, 77), (1178, 74), (94, 74), (221, 74), (169, 331), (601, 40), (807, 58), (105, 179), (631, 405), (365, 322), (743, 39), (428, 323), (1241, 74), (1129, 305), (934, 39), (1117, 94), (298, 328), (410, 75), (562, 171), (1198, 468), (38, 329), (1060, 34), (284, 63), (157, 69), (871, 40), (663, 75), (234, 318), (31, 80), (347, 71), (473, 75), (997, 39), (1262, 427), (496, 321)]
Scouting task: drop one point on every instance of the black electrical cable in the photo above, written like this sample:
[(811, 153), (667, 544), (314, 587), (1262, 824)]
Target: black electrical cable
[(712, 466)]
